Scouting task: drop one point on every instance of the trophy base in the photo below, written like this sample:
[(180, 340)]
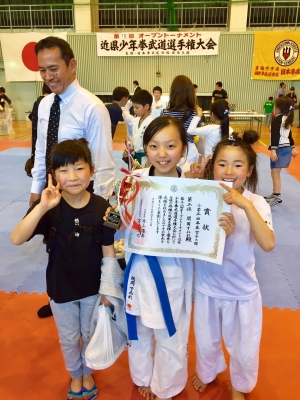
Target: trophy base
[(113, 220)]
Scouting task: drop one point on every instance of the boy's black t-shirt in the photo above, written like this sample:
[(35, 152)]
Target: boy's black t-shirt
[(74, 265), (219, 94)]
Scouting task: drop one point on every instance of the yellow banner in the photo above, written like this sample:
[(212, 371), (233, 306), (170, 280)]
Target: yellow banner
[(276, 56)]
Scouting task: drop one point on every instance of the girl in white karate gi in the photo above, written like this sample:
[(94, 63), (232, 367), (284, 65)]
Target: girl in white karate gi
[(227, 297), (164, 375)]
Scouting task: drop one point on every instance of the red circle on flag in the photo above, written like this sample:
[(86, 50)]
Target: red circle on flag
[(29, 57)]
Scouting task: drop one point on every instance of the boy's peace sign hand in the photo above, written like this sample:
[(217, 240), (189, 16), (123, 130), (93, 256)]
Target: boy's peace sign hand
[(234, 197), (51, 195)]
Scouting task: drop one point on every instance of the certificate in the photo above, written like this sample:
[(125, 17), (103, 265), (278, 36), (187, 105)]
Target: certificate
[(178, 218)]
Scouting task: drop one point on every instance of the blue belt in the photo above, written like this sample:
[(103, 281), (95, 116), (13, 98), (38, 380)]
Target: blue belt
[(162, 294)]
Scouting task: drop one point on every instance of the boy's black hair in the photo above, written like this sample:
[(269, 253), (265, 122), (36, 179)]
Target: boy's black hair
[(158, 88), (142, 97), (271, 98), (69, 152), (66, 53), (220, 84), (292, 88), (136, 83), (2, 90), (120, 92)]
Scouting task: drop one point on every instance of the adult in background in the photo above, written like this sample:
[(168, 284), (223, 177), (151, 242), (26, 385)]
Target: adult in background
[(281, 91), (120, 98), (136, 87), (80, 114), (219, 93)]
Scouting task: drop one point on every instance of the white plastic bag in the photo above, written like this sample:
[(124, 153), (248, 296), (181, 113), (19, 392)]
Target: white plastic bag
[(106, 344)]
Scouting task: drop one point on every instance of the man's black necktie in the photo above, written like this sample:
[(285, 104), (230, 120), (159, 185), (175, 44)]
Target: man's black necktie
[(52, 132)]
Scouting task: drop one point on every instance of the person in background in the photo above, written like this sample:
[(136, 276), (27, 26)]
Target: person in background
[(293, 96), (120, 99), (158, 104), (3, 99), (281, 90), (195, 87), (282, 145), (34, 120), (136, 86), (219, 93), (141, 102), (269, 107)]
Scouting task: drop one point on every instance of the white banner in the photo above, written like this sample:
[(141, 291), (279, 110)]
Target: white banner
[(178, 218), (20, 61), (158, 43)]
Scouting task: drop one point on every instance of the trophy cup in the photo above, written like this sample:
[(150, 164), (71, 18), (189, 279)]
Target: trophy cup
[(114, 219)]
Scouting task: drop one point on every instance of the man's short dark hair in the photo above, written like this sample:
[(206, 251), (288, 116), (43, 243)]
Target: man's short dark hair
[(136, 83), (271, 98), (2, 90), (220, 84), (282, 83), (66, 53), (120, 92), (158, 88), (142, 97)]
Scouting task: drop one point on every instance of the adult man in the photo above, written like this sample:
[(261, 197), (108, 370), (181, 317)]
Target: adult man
[(219, 93), (136, 86), (82, 114), (281, 91), (120, 98)]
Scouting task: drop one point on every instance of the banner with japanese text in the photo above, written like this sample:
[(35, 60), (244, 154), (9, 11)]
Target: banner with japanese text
[(276, 55), (178, 218), (158, 43)]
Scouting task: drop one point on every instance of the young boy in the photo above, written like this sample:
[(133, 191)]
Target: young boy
[(269, 108), (141, 102), (120, 99), (158, 103)]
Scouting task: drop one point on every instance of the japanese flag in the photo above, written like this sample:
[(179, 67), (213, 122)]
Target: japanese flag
[(20, 62)]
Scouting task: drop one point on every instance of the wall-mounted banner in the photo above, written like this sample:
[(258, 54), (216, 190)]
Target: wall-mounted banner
[(20, 61), (276, 56), (158, 44)]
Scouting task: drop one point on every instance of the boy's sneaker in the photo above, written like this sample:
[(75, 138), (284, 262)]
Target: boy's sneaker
[(275, 200), (270, 197)]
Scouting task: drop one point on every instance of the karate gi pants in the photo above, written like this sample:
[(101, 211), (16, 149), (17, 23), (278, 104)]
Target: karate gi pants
[(239, 323), (166, 374), (73, 320)]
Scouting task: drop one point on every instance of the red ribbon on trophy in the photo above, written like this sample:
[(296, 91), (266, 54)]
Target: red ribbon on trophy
[(129, 190)]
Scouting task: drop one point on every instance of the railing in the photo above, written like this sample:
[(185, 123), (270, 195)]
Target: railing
[(274, 14), (151, 15), (131, 15)]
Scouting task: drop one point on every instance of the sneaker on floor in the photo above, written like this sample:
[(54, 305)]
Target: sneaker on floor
[(45, 311), (270, 197), (275, 201)]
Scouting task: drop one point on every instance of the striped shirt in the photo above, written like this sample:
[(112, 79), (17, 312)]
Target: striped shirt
[(180, 115)]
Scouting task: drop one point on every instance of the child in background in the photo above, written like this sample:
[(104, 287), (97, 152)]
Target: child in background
[(120, 99), (227, 297), (182, 105), (213, 133), (141, 101), (282, 145), (269, 107), (166, 375), (158, 104), (77, 246)]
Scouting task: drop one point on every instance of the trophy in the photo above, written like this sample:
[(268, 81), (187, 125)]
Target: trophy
[(114, 219)]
